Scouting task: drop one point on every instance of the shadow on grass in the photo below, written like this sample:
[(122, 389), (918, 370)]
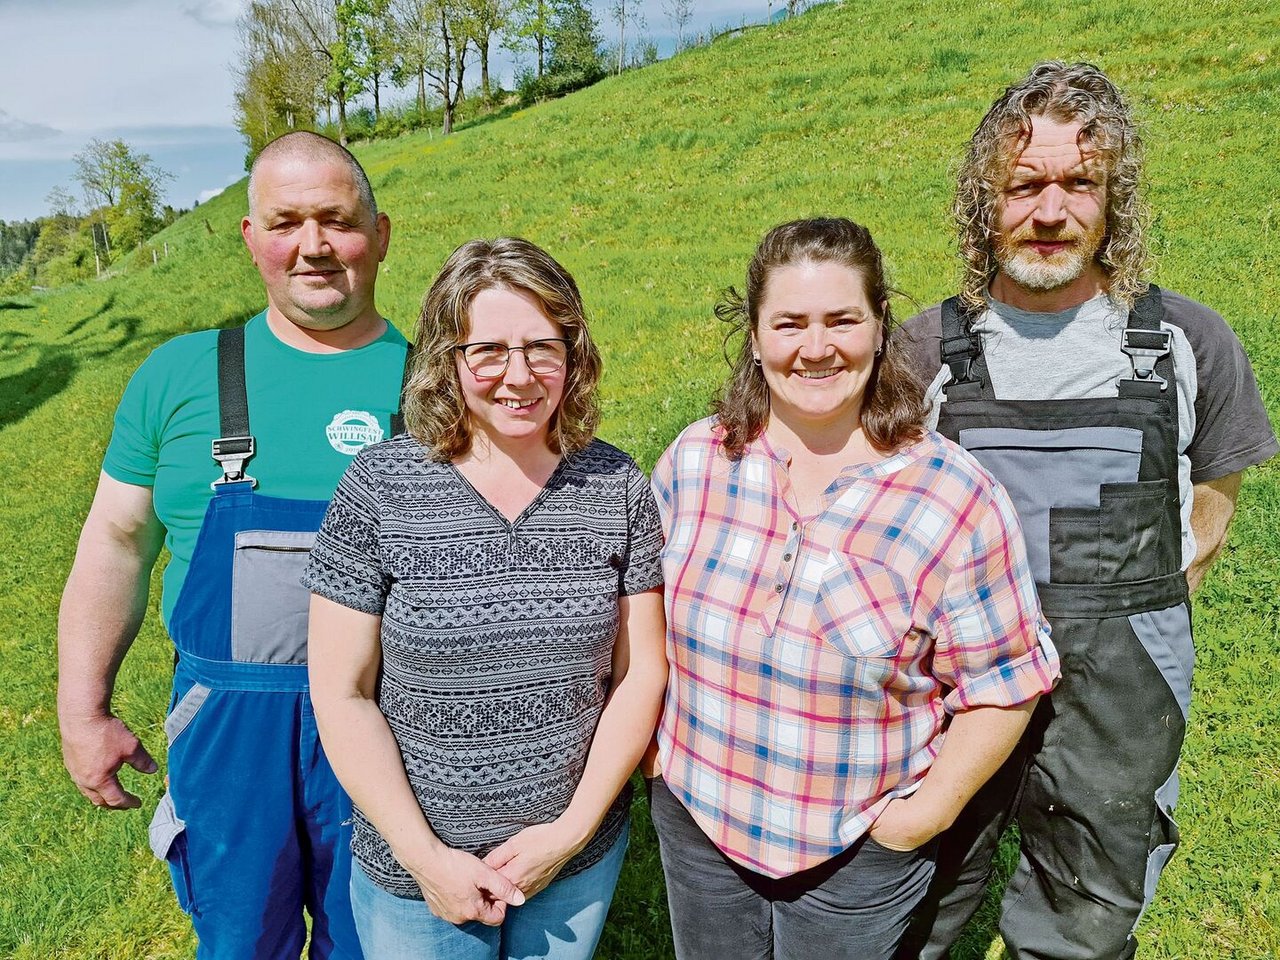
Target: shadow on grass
[(80, 324), (48, 368), (498, 113), (15, 305)]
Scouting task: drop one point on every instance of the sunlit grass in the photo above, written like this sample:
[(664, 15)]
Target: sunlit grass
[(653, 188)]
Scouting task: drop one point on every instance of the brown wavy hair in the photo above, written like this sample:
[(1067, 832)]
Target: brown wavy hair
[(1069, 93), (893, 407), (434, 410)]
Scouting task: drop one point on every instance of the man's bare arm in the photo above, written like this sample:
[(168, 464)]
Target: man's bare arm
[(102, 608), (1212, 507)]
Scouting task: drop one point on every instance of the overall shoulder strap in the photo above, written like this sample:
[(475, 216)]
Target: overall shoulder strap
[(233, 448), (1150, 350), (397, 418), (961, 350)]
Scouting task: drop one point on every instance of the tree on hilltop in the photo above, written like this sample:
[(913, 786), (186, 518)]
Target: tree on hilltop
[(123, 187), (529, 28), (280, 76), (575, 44), (434, 36), (485, 18)]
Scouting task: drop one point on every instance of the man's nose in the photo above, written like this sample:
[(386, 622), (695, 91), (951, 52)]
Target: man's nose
[(311, 240), (1051, 208)]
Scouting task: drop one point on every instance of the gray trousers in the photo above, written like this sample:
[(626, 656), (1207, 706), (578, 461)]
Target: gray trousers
[(855, 906)]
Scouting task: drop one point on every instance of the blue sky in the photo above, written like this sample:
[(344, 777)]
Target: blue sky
[(157, 73)]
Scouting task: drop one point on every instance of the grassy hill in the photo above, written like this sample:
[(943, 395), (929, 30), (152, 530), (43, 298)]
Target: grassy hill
[(653, 188)]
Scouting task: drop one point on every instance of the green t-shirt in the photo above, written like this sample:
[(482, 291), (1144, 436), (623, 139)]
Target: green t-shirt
[(309, 414)]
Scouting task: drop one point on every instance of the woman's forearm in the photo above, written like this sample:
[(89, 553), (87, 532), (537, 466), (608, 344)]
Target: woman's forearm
[(345, 654), (366, 759), (978, 742)]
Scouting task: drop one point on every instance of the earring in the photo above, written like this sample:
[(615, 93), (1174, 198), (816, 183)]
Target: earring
[(755, 358), (879, 350)]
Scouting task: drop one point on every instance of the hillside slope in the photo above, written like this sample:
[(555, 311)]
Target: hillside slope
[(653, 188)]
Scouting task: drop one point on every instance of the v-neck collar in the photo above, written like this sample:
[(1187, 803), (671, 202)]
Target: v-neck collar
[(510, 525)]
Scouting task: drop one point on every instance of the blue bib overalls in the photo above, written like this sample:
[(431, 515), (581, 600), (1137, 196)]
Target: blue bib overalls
[(255, 827)]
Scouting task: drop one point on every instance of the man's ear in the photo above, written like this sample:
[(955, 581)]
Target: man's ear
[(246, 233), (383, 228)]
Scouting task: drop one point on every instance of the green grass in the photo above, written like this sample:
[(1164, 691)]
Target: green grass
[(653, 188)]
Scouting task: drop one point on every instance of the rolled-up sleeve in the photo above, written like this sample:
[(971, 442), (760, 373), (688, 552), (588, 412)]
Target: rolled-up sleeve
[(993, 646), (346, 563)]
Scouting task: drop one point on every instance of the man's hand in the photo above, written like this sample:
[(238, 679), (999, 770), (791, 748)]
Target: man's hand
[(102, 606), (906, 824), (534, 856), (460, 887), (94, 750)]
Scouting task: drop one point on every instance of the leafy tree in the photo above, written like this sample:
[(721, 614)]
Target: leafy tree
[(413, 45), (576, 60), (17, 240), (434, 36), (280, 74), (377, 27), (530, 23), (346, 49), (486, 18), (623, 13), (123, 189), (575, 44)]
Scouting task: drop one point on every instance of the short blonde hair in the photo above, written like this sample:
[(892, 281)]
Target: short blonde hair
[(434, 409)]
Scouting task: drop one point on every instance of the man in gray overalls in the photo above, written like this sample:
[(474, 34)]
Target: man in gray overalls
[(1120, 417)]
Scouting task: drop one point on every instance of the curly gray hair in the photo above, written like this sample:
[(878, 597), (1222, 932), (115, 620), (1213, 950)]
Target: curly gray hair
[(1069, 93)]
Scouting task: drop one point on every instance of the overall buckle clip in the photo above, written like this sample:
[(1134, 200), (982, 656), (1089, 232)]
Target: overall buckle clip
[(1145, 348), (232, 453), (958, 353)]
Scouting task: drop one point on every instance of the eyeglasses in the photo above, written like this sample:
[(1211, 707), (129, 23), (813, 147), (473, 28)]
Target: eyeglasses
[(491, 359)]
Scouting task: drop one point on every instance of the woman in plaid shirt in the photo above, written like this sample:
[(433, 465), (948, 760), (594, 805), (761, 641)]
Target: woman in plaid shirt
[(854, 637)]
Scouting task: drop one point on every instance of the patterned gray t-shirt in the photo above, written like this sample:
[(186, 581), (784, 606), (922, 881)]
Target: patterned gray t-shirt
[(497, 637)]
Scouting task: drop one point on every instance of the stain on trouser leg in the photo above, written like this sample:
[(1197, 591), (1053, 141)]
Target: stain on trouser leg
[(1094, 809)]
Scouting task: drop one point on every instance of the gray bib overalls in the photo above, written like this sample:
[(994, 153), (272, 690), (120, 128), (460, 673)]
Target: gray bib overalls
[(1093, 783)]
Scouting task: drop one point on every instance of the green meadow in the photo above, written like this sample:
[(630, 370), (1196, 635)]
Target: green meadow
[(653, 188)]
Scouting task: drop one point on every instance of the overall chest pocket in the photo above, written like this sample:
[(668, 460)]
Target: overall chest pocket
[(269, 604), (1048, 471), (1128, 537), (862, 608)]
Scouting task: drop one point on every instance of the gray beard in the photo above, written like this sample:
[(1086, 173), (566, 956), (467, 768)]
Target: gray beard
[(1033, 273)]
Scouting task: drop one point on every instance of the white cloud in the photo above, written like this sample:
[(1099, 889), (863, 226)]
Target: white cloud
[(206, 195), (215, 13)]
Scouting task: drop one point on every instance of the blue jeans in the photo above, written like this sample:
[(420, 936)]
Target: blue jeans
[(563, 922)]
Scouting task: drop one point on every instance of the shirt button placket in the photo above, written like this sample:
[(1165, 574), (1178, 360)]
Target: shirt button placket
[(789, 551)]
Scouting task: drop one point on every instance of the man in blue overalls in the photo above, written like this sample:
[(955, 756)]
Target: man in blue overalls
[(1120, 417), (254, 826)]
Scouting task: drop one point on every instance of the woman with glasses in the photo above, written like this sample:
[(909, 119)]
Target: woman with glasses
[(486, 640), (842, 586)]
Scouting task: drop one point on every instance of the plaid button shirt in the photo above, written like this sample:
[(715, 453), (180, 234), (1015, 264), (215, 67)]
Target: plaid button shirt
[(813, 660)]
